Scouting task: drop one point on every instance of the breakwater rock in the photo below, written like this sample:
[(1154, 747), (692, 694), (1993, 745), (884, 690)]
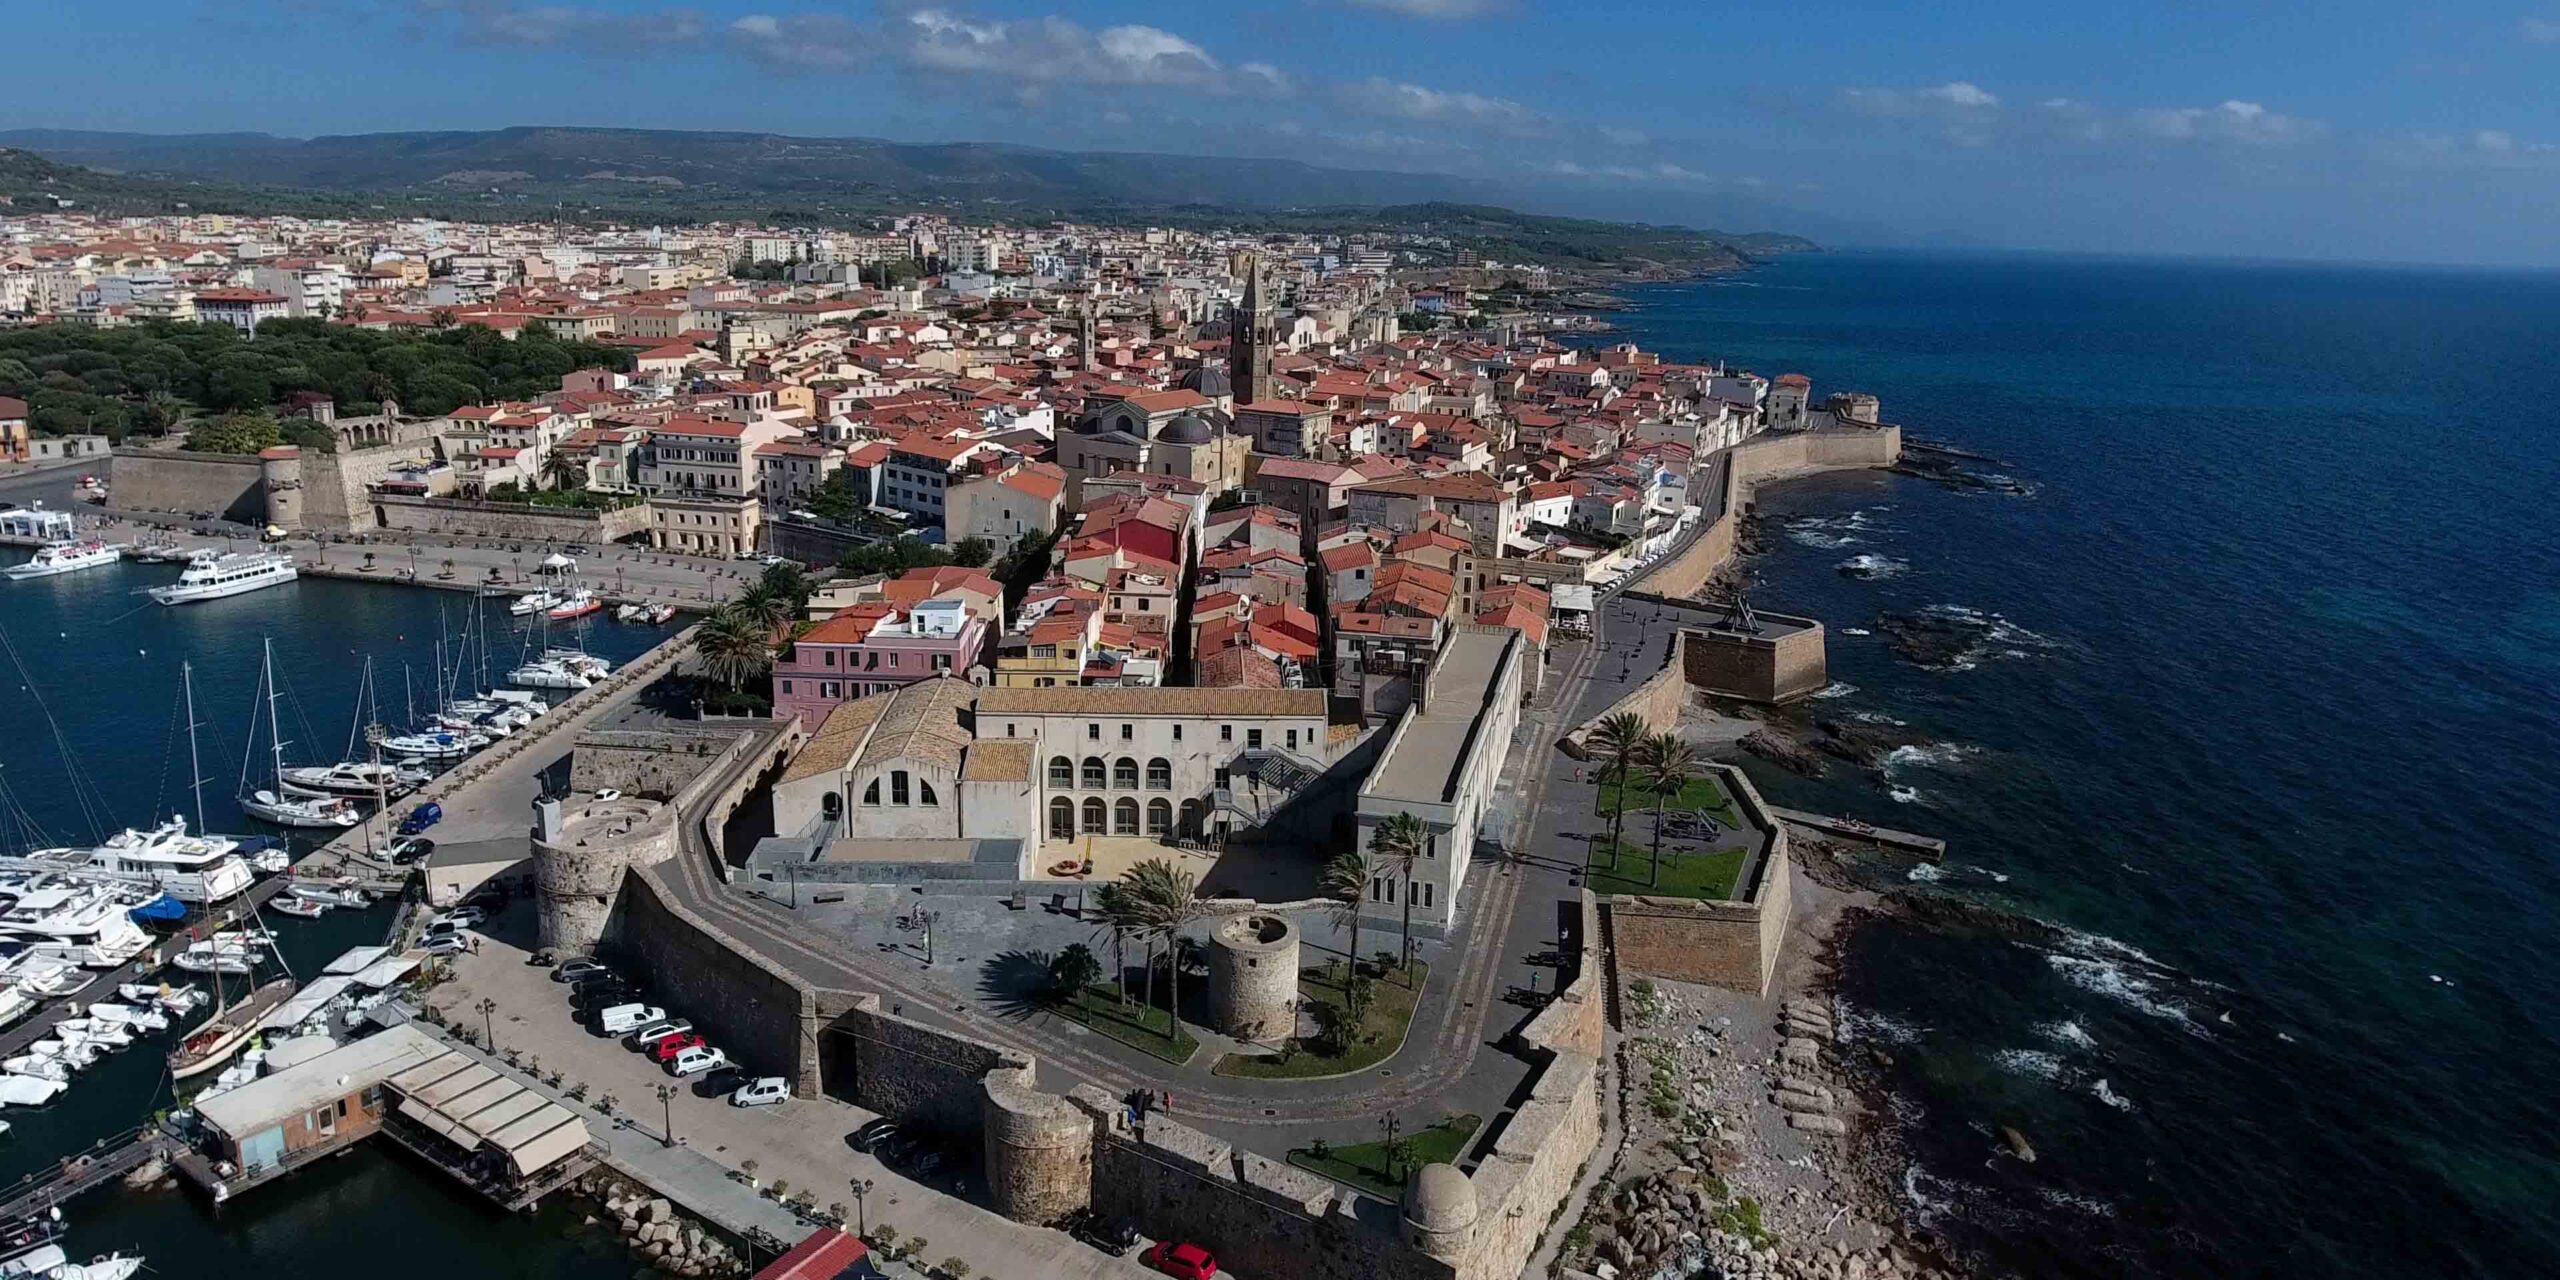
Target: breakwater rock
[(662, 1236)]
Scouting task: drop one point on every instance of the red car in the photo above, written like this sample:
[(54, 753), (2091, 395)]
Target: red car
[(1187, 1261), (667, 1049)]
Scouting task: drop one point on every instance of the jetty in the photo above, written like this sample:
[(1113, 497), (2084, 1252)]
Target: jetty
[(110, 1158), (1926, 848)]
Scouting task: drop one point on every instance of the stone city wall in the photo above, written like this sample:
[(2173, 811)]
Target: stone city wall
[(655, 763), (575, 886), (338, 487), (1657, 702), (1733, 944), (1039, 1148), (1767, 668), (511, 520), (767, 1018), (1759, 460), (880, 1061), (229, 485), (1577, 1019)]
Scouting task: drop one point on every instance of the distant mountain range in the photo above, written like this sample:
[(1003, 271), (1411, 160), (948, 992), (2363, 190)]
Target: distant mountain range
[(669, 175)]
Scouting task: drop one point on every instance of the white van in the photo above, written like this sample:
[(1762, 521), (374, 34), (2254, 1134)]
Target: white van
[(622, 1018), (698, 1059)]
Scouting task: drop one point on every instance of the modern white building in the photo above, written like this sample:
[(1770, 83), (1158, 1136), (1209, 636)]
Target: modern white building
[(1443, 764)]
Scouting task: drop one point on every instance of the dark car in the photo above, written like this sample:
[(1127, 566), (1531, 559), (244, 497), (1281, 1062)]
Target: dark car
[(1110, 1235), (871, 1135)]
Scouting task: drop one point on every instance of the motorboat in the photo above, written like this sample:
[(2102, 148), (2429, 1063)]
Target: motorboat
[(530, 705), (357, 778), (43, 977), (36, 1066), (66, 557), (84, 924), (435, 744), (580, 660), (17, 1090), (139, 1016), (221, 576), (49, 1262), (298, 907), (223, 953), (546, 673), (174, 1001), (301, 811), (162, 909), (576, 604), (15, 1004), (269, 858), (97, 1031), (343, 893), (196, 868), (209, 1046), (532, 602)]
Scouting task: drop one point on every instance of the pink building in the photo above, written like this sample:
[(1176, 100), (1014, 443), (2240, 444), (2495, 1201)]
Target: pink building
[(875, 647)]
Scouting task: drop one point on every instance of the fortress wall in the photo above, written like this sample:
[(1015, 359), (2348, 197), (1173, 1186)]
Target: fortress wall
[(229, 485), (463, 517)]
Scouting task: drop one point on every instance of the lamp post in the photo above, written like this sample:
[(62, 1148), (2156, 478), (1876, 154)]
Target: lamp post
[(861, 1210), (489, 1021), (667, 1111)]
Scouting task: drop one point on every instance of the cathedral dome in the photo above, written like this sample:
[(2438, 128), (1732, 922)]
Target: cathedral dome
[(1209, 380), (1190, 428)]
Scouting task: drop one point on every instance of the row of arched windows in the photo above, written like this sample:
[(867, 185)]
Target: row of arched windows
[(1096, 774), (1118, 819)]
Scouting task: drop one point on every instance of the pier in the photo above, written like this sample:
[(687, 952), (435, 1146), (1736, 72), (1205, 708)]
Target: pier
[(111, 1158), (1926, 848)]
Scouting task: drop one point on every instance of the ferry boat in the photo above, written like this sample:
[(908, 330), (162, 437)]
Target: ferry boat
[(209, 1046), (220, 576), (66, 557), (203, 869), (576, 604), (361, 779)]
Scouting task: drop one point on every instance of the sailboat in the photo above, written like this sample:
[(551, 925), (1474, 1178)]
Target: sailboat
[(213, 1043), (354, 777), (280, 806)]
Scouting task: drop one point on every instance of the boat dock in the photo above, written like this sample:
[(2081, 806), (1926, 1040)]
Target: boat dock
[(1926, 848), (111, 1158)]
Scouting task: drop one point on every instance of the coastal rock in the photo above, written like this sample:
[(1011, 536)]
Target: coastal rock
[(1832, 1126), (657, 1210), (1783, 751), (1935, 640), (1804, 1103), (2018, 1144), (1861, 743), (1802, 1052)]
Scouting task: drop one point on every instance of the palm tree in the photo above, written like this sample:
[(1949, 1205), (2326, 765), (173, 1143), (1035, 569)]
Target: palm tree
[(1072, 973), (1398, 844), (733, 646), (1668, 765), (1618, 741), (1120, 917), (765, 607), (566, 471), (1166, 902), (1346, 880)]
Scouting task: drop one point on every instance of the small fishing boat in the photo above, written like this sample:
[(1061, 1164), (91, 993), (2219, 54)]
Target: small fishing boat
[(576, 604), (531, 603), (298, 907)]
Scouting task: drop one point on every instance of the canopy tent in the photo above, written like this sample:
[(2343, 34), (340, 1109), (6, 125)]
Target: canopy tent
[(557, 563), (355, 959), (474, 1107), (306, 1002)]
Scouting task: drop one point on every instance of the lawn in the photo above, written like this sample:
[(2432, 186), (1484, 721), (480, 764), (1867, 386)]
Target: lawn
[(1366, 1165), (1381, 1033), (1702, 795), (1141, 1027), (1707, 876)]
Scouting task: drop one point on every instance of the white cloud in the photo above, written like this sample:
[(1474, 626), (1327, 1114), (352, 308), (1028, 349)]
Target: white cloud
[(1381, 96), (2541, 30), (813, 42), (1035, 52), (1436, 10), (1962, 93), (2233, 121), (1954, 100), (1624, 137)]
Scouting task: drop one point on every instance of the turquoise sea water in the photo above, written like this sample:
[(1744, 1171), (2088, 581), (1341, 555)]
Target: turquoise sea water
[(2263, 716), (104, 662)]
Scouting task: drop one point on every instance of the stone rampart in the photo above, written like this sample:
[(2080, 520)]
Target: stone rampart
[(1784, 662), (1577, 1019), (1733, 944), (338, 487), (766, 1016), (229, 485), (880, 1061), (1039, 1148), (510, 520)]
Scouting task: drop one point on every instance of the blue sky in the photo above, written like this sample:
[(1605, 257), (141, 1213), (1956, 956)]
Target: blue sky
[(2359, 131)]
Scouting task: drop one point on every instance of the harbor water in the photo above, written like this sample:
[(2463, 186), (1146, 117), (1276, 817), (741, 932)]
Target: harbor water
[(2240, 728), (104, 665)]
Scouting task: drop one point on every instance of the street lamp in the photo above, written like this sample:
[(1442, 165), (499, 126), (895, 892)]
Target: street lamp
[(667, 1110), (861, 1210), (489, 1021)]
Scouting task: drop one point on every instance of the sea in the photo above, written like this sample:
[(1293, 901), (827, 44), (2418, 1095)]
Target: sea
[(2247, 752), (93, 737)]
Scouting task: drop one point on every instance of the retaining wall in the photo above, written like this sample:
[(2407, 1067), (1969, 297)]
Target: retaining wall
[(509, 520), (882, 1062), (764, 1015), (1733, 944)]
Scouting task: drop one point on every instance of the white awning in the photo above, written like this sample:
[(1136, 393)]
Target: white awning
[(306, 1002), (356, 959), (557, 561), (383, 973)]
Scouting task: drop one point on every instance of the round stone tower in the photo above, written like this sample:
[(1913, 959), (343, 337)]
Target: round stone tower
[(1439, 1210), (1253, 977), (1039, 1148), (280, 478), (579, 855)]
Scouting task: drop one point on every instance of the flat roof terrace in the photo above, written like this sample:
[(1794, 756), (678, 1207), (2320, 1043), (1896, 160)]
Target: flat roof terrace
[(1430, 748)]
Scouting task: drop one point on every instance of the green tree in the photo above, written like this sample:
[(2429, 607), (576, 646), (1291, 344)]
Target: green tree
[(1346, 882), (565, 470), (1618, 741), (733, 647), (1668, 765), (790, 582), (1072, 973), (1166, 901), (235, 433), (1113, 909), (971, 553), (769, 610), (1399, 844)]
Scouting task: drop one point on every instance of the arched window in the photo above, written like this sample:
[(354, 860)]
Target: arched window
[(832, 805), (1093, 773), (1062, 771), (871, 794), (924, 793), (1159, 817), (1062, 818), (1124, 774), (1093, 816), (1124, 818), (1159, 774)]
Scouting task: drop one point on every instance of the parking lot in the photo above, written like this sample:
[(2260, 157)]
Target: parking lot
[(800, 1144)]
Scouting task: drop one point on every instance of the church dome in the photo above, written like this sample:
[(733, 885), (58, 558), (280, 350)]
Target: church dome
[(1209, 379), (1190, 428)]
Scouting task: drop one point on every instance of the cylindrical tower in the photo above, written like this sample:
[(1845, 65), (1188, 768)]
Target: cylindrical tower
[(280, 478), (578, 861), (1439, 1211), (1253, 977), (1039, 1149)]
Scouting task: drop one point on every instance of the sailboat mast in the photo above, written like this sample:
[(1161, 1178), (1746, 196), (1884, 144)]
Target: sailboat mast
[(195, 765), (275, 736)]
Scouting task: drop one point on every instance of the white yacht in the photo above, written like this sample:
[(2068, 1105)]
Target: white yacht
[(580, 660), (434, 745), (84, 924), (195, 868), (232, 952), (549, 673), (66, 557), (358, 778), (289, 810), (227, 575)]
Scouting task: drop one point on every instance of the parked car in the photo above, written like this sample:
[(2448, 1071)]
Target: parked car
[(579, 971), (421, 818), (657, 1031), (1111, 1235), (623, 1018), (464, 917), (410, 850), (871, 1135), (602, 995), (666, 1050), (608, 795), (1185, 1261), (766, 1092), (698, 1059), (444, 944)]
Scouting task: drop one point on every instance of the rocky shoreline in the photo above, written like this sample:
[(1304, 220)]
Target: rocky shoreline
[(658, 1234)]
